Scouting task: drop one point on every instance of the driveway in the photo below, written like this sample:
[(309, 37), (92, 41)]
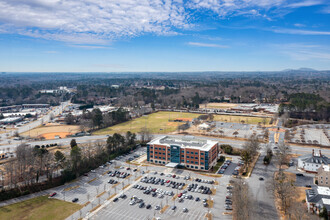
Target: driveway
[(264, 205)]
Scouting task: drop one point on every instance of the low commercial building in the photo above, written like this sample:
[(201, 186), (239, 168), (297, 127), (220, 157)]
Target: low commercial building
[(317, 198), (312, 162), (11, 120), (187, 151), (323, 176)]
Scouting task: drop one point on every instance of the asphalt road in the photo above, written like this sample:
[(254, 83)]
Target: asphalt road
[(263, 203), (46, 118)]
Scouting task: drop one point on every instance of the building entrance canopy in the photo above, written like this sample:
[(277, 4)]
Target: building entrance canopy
[(172, 165)]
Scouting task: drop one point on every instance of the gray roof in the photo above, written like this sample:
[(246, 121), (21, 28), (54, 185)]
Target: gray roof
[(315, 159), (313, 195)]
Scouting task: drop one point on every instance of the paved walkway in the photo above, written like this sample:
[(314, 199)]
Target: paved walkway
[(24, 198)]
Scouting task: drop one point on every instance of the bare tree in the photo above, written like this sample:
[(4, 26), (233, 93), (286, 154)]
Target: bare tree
[(283, 190), (145, 135), (242, 200), (298, 211), (85, 125), (282, 155), (250, 149)]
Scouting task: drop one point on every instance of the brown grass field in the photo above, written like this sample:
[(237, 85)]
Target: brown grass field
[(49, 131), (223, 105)]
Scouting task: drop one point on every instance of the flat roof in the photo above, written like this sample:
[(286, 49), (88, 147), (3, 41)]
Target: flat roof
[(172, 165), (190, 142), (323, 190)]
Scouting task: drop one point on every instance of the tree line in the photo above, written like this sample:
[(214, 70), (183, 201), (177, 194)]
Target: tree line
[(36, 168)]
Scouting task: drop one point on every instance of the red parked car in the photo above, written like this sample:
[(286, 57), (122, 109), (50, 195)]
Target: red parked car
[(180, 195), (174, 176), (53, 194)]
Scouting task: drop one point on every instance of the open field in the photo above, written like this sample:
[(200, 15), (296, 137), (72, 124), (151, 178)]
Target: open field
[(223, 105), (39, 208), (49, 131), (239, 119), (156, 123)]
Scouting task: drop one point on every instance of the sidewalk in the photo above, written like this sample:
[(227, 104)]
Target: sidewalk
[(24, 198)]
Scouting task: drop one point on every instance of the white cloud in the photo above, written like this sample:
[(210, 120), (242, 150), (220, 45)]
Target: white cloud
[(198, 44), (300, 32), (299, 25), (305, 3), (326, 10), (304, 52), (101, 21), (91, 21), (261, 8)]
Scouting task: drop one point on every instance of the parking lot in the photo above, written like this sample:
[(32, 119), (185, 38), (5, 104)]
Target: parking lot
[(94, 190), (148, 198), (229, 129)]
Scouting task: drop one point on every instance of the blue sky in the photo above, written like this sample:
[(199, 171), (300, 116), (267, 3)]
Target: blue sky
[(163, 35)]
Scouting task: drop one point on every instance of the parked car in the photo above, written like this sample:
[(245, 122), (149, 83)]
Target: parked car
[(53, 194), (75, 200), (185, 210), (173, 207)]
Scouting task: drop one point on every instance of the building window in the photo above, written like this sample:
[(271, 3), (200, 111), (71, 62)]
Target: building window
[(156, 157), (202, 158), (163, 162), (202, 153), (188, 157), (182, 161), (187, 161), (321, 181), (163, 153), (151, 156), (321, 177), (196, 158), (326, 178), (151, 160), (196, 167), (196, 162), (155, 161), (187, 165), (187, 152), (202, 162), (163, 158), (151, 152), (151, 147), (182, 151), (202, 168), (159, 161), (155, 148), (196, 153), (169, 154), (191, 161)]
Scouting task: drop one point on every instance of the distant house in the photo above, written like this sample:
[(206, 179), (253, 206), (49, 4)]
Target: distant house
[(323, 175), (203, 126), (312, 162), (316, 198)]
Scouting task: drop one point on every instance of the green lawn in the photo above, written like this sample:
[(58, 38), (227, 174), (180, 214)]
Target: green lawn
[(39, 208), (157, 123)]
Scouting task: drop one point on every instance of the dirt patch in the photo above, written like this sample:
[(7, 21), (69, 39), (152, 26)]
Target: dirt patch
[(44, 130), (50, 136)]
